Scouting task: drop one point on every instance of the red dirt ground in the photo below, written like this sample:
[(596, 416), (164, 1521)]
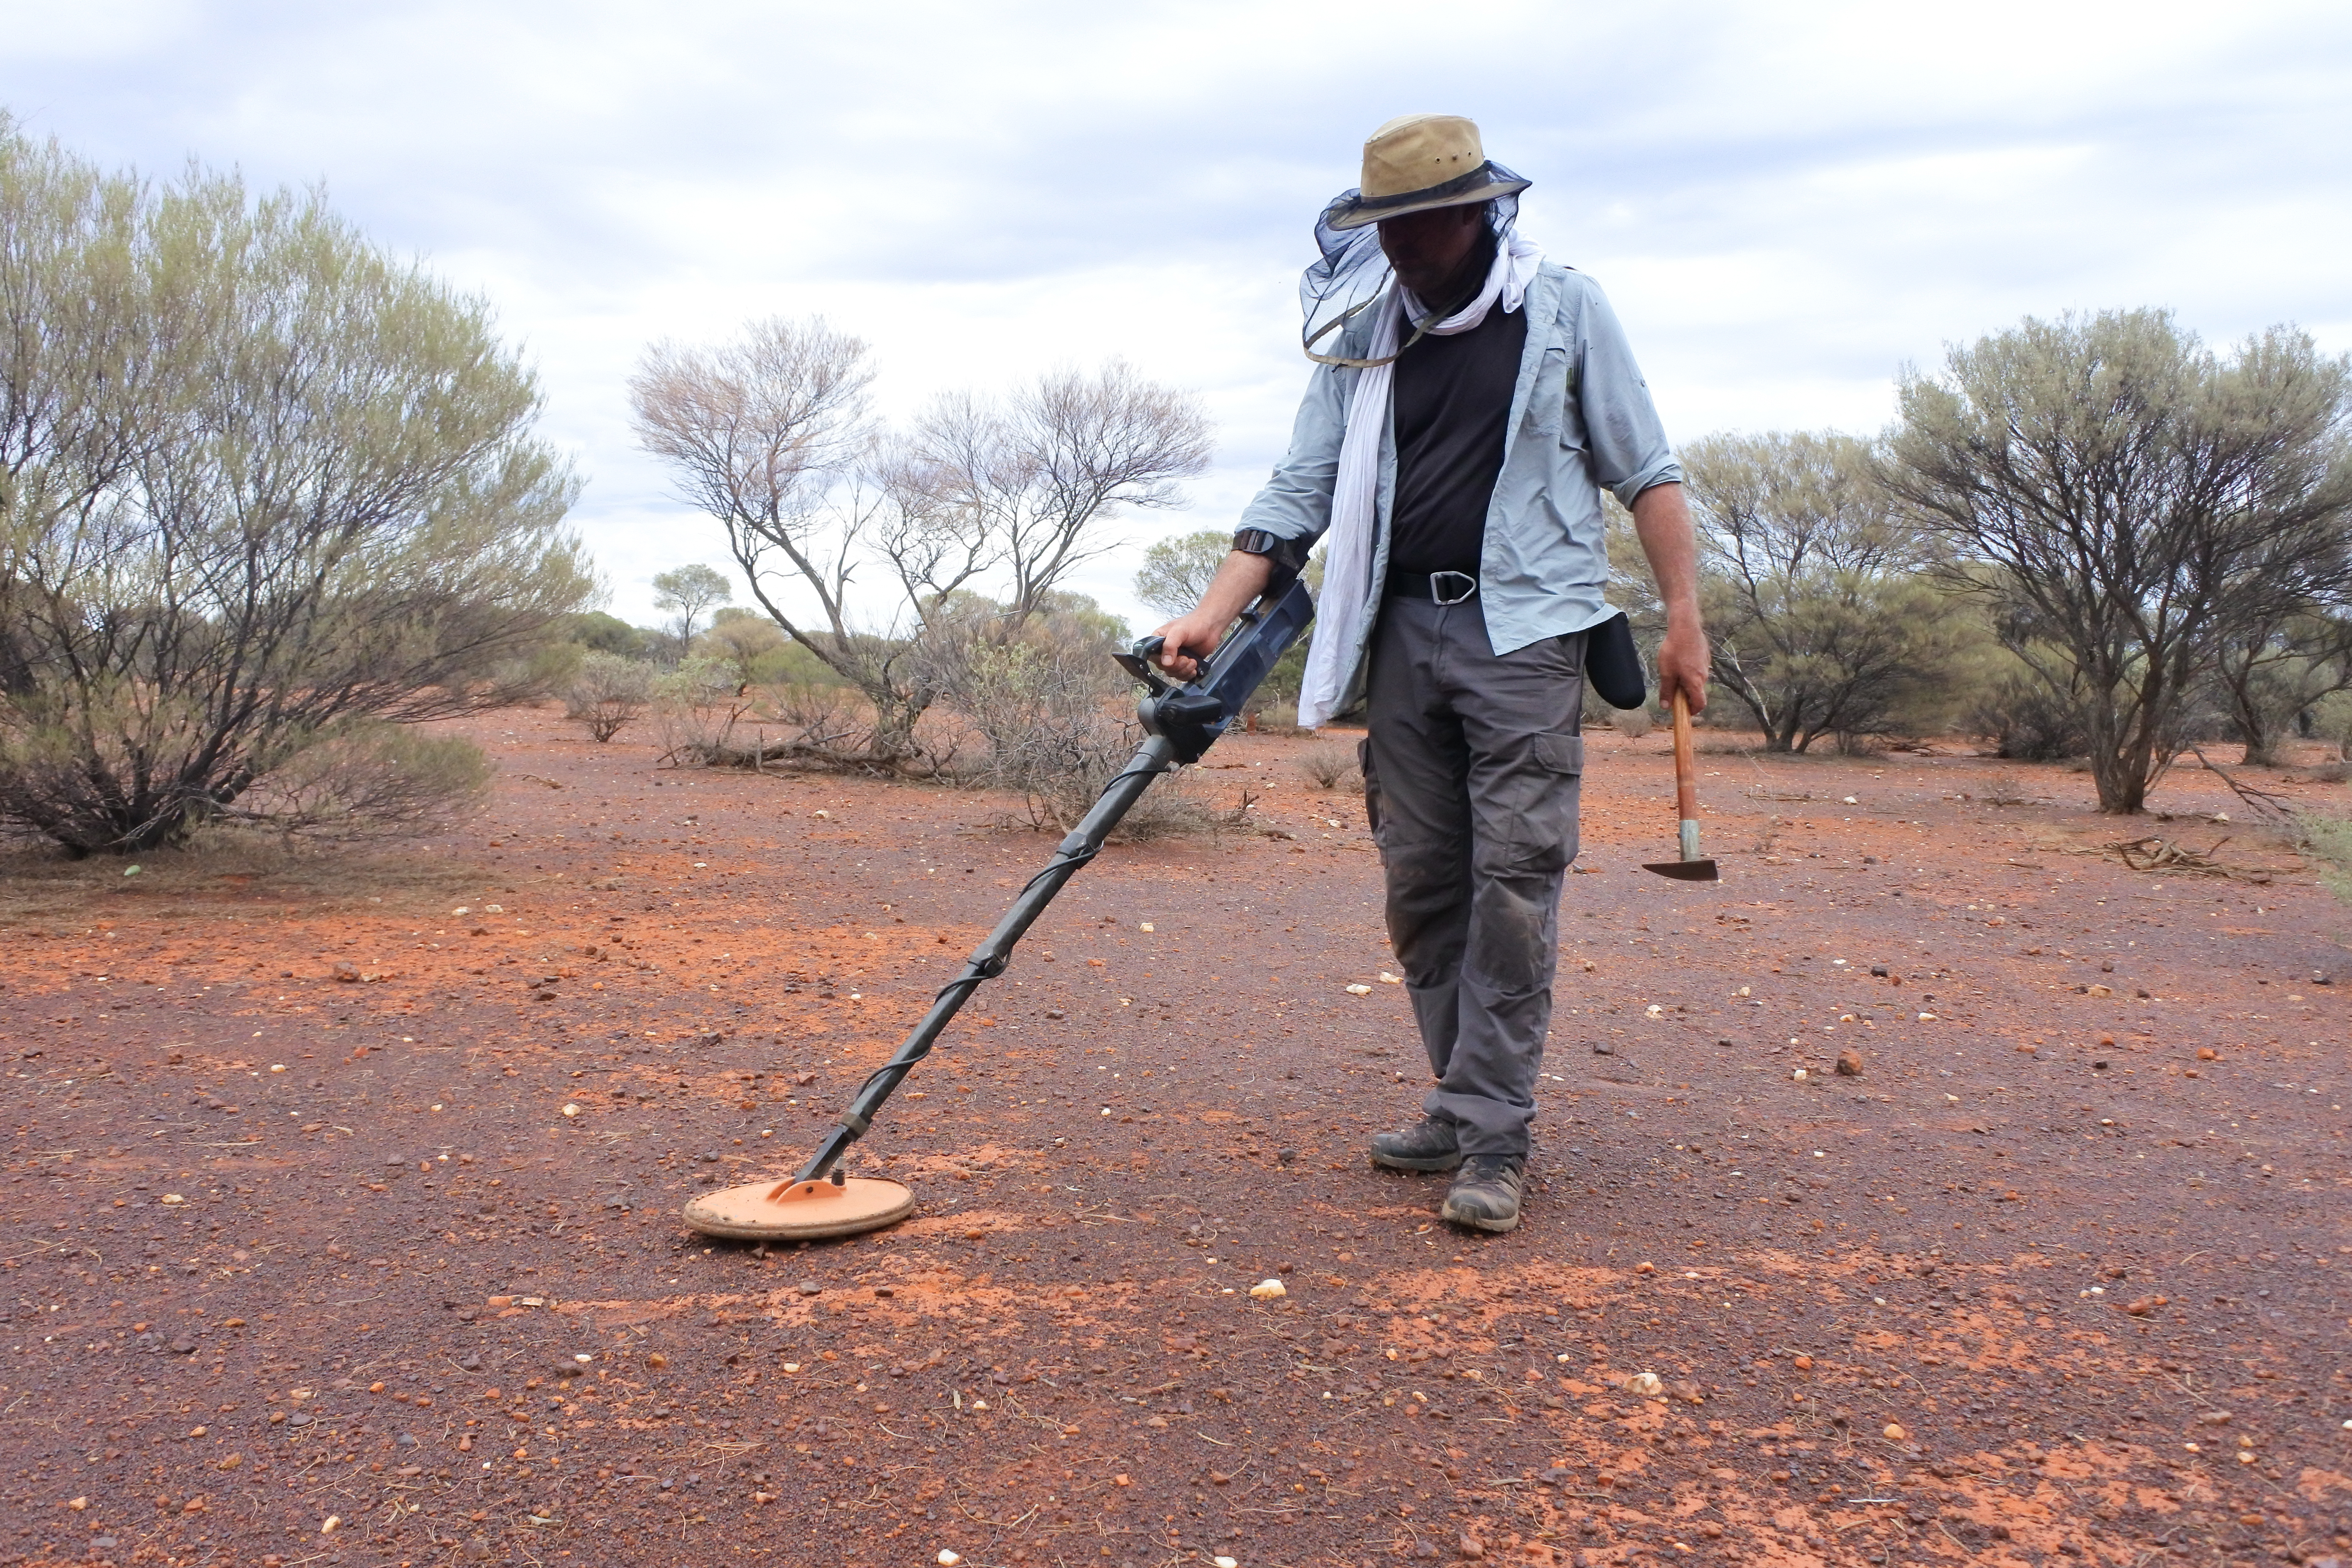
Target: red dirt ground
[(2061, 1275)]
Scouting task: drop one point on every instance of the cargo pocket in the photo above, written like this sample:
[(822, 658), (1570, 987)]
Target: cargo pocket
[(1560, 753), (1541, 803)]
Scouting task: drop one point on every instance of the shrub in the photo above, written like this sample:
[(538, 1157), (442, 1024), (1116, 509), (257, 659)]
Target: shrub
[(1049, 708), (373, 781), (263, 489), (1329, 762), (697, 708), (608, 692), (610, 634), (1630, 722), (2331, 722), (2328, 841), (747, 641), (2027, 718)]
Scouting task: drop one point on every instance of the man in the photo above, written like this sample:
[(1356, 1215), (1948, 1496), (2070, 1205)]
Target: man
[(1454, 442)]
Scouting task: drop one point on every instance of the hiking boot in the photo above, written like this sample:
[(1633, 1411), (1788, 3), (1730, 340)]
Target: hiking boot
[(1428, 1145), (1485, 1192)]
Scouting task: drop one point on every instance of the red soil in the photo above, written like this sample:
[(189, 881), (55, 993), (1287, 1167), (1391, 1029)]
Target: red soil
[(2046, 1280)]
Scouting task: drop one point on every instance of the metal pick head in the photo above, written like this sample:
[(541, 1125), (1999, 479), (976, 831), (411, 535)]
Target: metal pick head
[(1684, 871)]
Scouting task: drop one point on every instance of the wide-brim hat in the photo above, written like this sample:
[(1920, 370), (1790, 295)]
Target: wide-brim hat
[(1417, 162)]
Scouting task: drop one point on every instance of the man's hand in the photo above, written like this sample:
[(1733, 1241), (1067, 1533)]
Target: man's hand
[(1190, 639), (1683, 664), (1663, 520)]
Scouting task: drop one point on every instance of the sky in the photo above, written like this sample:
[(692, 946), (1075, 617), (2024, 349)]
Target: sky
[(1787, 203)]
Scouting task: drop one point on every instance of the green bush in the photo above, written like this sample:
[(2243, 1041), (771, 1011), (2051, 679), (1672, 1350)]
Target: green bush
[(2331, 722), (608, 693), (609, 634), (265, 490), (2328, 841)]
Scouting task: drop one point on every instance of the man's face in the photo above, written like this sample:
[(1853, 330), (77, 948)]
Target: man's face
[(1427, 248)]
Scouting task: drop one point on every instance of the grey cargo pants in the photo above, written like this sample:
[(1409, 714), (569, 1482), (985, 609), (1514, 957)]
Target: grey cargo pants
[(1470, 781)]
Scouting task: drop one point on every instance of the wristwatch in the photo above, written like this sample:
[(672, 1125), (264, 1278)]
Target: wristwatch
[(1288, 555)]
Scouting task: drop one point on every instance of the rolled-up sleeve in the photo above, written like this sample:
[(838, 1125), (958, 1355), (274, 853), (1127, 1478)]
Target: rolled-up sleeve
[(1621, 428), (1296, 501)]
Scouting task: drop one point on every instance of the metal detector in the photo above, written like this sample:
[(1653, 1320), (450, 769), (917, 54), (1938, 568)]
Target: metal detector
[(1181, 723)]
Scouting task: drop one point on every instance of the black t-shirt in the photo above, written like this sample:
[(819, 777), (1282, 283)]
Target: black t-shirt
[(1451, 400)]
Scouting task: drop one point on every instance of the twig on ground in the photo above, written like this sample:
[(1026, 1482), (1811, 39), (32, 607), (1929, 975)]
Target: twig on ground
[(2163, 855), (2258, 799)]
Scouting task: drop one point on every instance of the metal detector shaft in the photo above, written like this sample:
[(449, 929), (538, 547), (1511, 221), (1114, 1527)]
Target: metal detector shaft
[(989, 958), (1182, 722)]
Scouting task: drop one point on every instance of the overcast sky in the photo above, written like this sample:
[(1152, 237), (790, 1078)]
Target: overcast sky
[(1785, 201)]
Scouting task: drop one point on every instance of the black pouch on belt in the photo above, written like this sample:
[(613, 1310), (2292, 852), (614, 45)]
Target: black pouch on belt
[(1614, 665)]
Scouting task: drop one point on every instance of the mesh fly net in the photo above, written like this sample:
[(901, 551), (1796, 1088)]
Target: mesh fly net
[(1353, 271)]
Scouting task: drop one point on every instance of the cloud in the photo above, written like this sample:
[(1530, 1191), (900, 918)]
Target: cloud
[(1786, 202)]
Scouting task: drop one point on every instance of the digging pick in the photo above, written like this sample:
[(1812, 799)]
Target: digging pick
[(1691, 868)]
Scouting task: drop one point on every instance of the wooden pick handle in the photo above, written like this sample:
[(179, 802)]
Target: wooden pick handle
[(1685, 765), (1685, 780)]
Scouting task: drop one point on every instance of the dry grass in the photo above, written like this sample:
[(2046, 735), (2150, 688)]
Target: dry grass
[(1329, 763), (2006, 789), (2327, 840), (39, 883)]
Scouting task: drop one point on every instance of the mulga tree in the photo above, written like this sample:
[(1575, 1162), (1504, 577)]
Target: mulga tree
[(267, 495), (2140, 499), (1824, 618)]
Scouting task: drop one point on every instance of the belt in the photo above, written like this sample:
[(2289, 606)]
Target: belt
[(1435, 588)]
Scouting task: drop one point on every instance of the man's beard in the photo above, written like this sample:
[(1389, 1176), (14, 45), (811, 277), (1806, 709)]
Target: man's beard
[(1468, 277)]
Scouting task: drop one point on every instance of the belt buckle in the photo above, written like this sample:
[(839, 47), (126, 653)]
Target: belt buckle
[(1437, 594)]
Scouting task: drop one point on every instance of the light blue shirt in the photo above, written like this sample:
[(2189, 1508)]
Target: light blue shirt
[(1580, 418)]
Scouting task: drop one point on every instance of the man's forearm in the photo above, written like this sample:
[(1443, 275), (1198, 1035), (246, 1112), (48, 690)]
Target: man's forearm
[(1661, 518), (1196, 636), (1236, 587)]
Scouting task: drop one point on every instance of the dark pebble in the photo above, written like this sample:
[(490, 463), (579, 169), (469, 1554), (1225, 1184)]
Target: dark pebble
[(809, 1288), (1603, 1048)]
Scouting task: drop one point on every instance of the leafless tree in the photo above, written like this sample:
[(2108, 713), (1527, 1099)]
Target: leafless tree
[(770, 435), (1042, 470), (2137, 496)]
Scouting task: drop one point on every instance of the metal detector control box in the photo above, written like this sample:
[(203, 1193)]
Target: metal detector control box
[(1191, 715)]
